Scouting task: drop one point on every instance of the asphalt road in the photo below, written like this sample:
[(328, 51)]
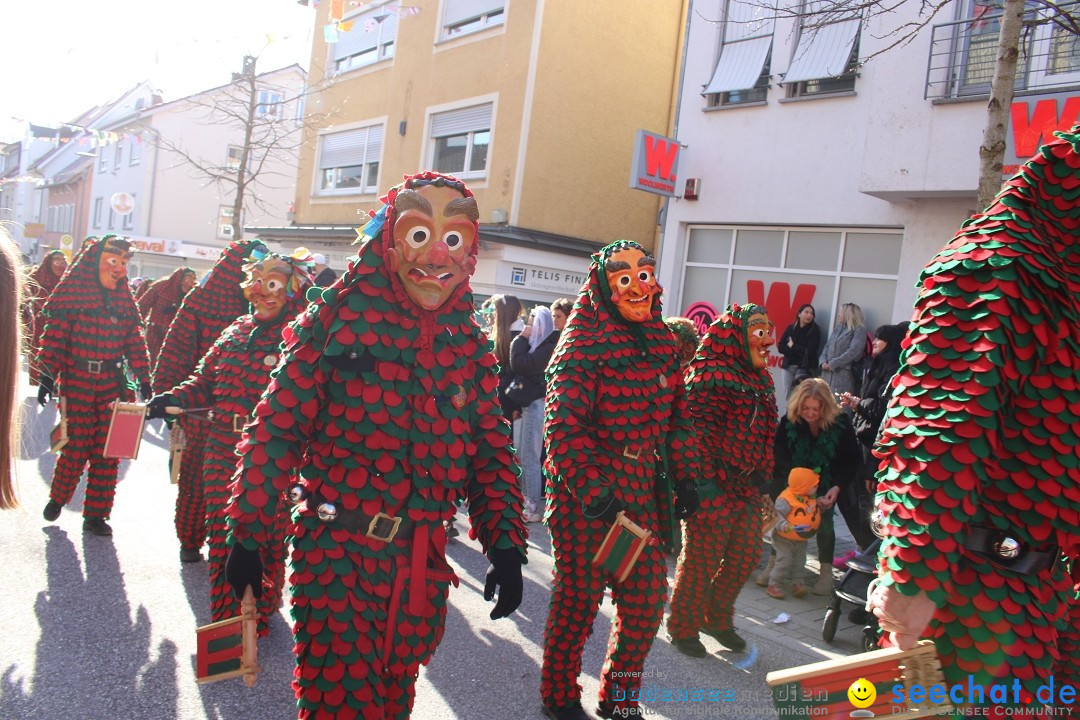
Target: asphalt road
[(99, 628)]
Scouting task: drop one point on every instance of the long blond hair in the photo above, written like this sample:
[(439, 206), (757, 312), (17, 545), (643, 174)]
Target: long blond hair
[(11, 290), (851, 316), (813, 388)]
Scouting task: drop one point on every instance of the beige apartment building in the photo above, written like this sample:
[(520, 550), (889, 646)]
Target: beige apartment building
[(534, 103)]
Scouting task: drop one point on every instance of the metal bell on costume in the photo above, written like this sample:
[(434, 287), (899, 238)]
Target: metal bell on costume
[(297, 494), (327, 512), (1008, 548)]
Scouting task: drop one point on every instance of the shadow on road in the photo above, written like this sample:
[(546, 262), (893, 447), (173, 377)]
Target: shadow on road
[(88, 639)]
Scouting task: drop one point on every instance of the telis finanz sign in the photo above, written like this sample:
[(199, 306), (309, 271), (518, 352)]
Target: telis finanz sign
[(656, 164)]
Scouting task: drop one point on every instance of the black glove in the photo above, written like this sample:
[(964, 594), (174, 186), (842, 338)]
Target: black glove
[(687, 501), (244, 567), (155, 407), (46, 390), (605, 508), (504, 575), (144, 391)]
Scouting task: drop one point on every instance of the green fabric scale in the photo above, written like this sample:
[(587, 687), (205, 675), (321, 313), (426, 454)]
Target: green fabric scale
[(983, 427), (382, 407)]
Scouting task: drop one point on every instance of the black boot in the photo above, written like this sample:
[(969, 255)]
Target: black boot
[(190, 555), (97, 526), (728, 638), (567, 712), (52, 510), (690, 646)]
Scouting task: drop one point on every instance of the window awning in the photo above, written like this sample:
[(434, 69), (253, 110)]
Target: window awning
[(740, 65), (368, 31), (352, 147), (823, 52), (458, 11)]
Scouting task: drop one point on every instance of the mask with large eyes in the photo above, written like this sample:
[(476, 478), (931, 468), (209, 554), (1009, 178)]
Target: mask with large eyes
[(632, 279), (112, 268), (434, 235), (265, 287), (58, 265), (759, 337)]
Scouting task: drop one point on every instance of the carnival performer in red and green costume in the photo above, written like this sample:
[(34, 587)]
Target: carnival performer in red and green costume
[(160, 303), (385, 402), (92, 338), (614, 404), (229, 381), (731, 399), (45, 277), (208, 308), (979, 485)]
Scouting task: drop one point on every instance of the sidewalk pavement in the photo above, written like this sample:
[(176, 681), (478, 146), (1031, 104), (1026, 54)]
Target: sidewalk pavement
[(755, 611)]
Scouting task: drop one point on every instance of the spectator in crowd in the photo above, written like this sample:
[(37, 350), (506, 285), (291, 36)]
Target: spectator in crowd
[(868, 412), (324, 274), (844, 348), (529, 355), (11, 288), (815, 433), (799, 346), (506, 323)]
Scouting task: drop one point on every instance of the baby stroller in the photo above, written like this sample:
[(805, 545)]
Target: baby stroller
[(852, 588)]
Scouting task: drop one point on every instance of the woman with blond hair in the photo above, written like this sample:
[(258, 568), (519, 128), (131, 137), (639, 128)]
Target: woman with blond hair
[(815, 433), (11, 288), (844, 348)]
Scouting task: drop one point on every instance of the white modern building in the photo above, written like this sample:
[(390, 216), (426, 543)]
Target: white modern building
[(152, 181), (829, 170)]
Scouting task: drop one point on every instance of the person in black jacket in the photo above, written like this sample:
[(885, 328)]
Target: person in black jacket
[(869, 411), (529, 355), (799, 345), (506, 323)]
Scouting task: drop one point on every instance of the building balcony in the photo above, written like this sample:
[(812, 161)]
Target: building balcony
[(963, 53)]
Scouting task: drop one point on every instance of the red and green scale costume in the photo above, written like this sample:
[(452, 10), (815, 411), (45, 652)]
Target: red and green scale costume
[(40, 285), (229, 380), (383, 407), (733, 408), (85, 322), (982, 430), (206, 310), (159, 305), (614, 398)]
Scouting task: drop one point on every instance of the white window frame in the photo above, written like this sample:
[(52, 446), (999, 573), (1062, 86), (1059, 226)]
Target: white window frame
[(371, 137), (225, 231), (269, 103), (452, 117), (98, 202), (118, 155), (465, 17), (103, 161), (112, 218), (232, 164), (135, 155), (368, 50), (128, 221)]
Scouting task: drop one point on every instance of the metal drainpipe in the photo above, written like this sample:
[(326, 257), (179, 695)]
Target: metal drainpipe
[(153, 182)]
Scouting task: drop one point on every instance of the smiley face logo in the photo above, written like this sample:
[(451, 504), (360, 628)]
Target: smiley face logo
[(862, 693)]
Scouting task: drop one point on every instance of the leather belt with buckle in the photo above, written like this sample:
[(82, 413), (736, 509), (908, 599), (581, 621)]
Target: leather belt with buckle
[(1009, 553), (380, 526), (235, 419), (96, 367)]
